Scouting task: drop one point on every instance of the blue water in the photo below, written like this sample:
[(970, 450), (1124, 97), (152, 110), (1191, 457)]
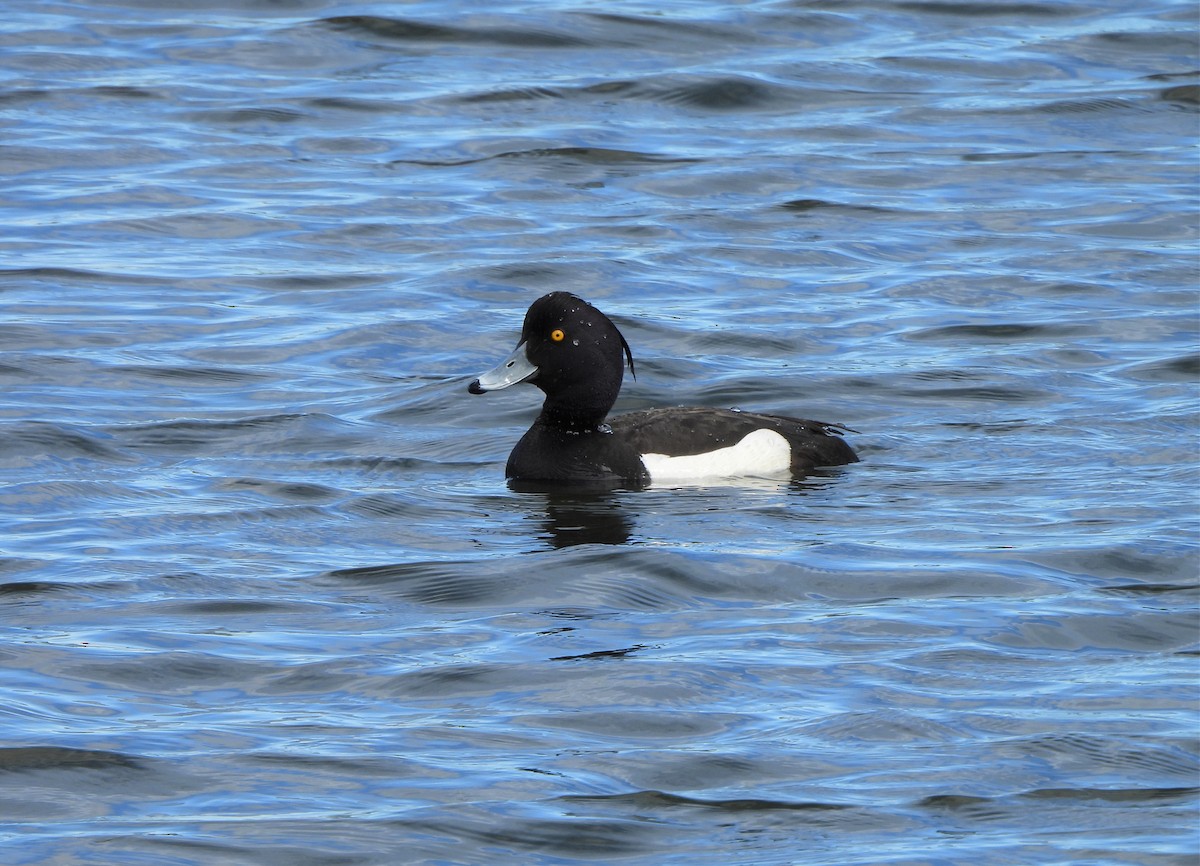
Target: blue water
[(267, 599)]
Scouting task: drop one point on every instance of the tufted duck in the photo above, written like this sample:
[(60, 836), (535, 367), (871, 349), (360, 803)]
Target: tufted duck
[(576, 355)]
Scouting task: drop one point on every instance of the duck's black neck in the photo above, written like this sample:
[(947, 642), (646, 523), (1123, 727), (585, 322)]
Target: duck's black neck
[(571, 419)]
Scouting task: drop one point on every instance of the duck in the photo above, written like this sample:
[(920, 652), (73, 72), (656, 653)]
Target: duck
[(576, 355)]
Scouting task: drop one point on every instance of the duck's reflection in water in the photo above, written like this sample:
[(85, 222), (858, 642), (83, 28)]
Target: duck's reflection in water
[(568, 518)]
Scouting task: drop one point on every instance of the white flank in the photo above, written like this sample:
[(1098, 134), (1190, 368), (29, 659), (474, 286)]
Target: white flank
[(761, 454)]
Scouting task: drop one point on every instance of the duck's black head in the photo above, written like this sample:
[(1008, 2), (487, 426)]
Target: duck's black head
[(574, 353)]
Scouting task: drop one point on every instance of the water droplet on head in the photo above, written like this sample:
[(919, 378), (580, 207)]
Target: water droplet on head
[(574, 342)]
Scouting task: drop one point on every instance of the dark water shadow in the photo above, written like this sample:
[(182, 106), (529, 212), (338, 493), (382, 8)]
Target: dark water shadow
[(566, 517)]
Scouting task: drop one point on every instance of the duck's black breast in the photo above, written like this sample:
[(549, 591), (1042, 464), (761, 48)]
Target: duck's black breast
[(551, 453), (687, 431)]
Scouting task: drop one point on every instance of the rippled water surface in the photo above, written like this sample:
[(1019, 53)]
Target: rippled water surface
[(267, 598)]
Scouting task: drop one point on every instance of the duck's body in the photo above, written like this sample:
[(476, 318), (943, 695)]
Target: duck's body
[(576, 355)]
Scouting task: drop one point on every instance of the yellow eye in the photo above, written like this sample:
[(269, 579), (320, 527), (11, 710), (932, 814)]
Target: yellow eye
[(557, 335)]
